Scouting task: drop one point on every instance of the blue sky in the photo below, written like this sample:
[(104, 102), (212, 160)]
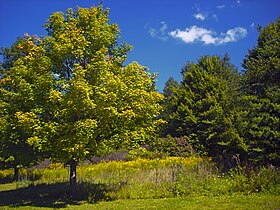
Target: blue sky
[(165, 34)]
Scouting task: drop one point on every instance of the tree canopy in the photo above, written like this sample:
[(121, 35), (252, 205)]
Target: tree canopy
[(226, 114), (261, 97), (71, 94), (25, 80), (204, 107)]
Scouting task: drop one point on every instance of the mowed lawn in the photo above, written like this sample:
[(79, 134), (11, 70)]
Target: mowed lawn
[(254, 202)]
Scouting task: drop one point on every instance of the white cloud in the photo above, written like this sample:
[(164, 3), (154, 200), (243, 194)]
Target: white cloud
[(159, 32), (198, 34), (222, 6), (193, 34), (200, 16), (237, 3), (233, 35), (163, 27), (252, 25), (152, 32), (214, 16)]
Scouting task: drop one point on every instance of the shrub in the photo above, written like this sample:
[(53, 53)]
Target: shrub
[(155, 178), (6, 176), (265, 180), (171, 146)]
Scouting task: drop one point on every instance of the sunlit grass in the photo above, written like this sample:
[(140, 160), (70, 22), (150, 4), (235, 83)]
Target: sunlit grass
[(254, 202), (117, 181)]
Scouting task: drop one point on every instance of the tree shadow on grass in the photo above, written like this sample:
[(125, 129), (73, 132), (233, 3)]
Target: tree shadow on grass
[(52, 195)]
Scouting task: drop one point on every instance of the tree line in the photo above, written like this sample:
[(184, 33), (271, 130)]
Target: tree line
[(70, 95), (231, 116)]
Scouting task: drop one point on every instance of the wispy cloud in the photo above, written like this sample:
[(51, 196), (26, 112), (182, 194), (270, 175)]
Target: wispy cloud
[(196, 7), (222, 6), (215, 17), (206, 36), (233, 35), (200, 16), (252, 25), (237, 3), (158, 32)]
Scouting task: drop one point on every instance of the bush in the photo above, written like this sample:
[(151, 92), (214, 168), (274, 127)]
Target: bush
[(265, 180), (171, 146), (6, 176)]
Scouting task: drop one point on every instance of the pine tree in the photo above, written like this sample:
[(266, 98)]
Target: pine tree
[(261, 97), (204, 108)]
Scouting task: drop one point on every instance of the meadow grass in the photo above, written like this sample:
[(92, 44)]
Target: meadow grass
[(176, 181)]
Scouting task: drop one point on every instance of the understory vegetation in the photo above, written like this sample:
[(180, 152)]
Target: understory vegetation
[(145, 179)]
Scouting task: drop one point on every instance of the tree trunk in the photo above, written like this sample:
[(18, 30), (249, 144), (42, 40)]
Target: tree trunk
[(16, 173), (72, 177)]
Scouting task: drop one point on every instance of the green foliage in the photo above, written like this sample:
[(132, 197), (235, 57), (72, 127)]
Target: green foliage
[(140, 152), (156, 178), (24, 81), (224, 115), (170, 86), (265, 180), (6, 176), (262, 63), (171, 146), (98, 103), (260, 107), (69, 95), (203, 108), (260, 127)]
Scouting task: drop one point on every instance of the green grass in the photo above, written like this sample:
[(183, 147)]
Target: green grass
[(254, 202), (200, 202), (170, 183)]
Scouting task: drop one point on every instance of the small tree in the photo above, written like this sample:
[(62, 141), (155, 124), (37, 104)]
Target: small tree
[(23, 82)]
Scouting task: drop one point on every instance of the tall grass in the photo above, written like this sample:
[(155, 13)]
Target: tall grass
[(139, 178), (157, 178)]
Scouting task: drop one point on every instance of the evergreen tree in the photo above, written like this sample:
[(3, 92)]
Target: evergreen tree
[(261, 97), (168, 92), (204, 108)]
